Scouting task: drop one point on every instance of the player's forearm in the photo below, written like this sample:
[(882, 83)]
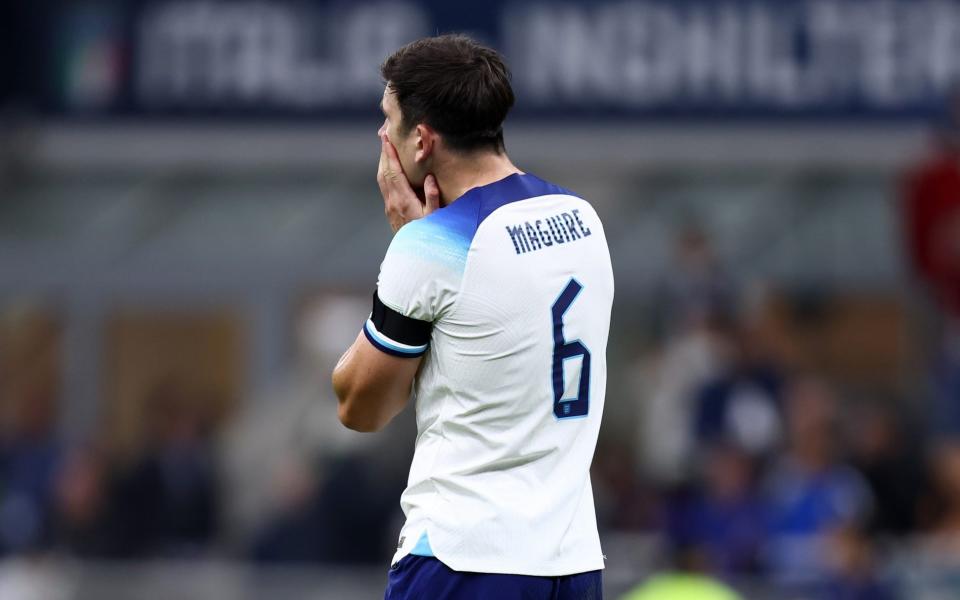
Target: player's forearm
[(356, 418), (350, 399), (364, 404)]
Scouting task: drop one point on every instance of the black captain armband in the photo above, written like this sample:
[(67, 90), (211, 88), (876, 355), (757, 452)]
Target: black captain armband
[(394, 333)]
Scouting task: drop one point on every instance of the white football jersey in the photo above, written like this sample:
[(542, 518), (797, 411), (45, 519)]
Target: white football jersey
[(515, 279)]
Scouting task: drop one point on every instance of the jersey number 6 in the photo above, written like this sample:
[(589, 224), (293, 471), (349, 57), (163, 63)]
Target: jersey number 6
[(567, 408)]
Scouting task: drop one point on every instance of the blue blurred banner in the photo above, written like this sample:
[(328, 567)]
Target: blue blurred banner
[(858, 59)]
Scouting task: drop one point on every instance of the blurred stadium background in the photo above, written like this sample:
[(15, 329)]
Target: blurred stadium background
[(190, 230)]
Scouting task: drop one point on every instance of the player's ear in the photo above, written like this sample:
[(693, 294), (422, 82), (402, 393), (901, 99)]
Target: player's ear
[(426, 142)]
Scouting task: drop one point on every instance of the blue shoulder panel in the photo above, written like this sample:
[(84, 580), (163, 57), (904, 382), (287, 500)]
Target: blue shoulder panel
[(443, 236), (448, 232)]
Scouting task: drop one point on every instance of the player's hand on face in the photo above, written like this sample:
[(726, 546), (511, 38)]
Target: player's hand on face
[(400, 202)]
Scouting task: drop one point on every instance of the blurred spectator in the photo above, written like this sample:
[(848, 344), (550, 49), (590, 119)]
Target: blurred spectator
[(82, 515), (623, 503), (357, 524), (697, 303), (291, 422), (931, 208), (698, 291), (29, 413), (742, 404), (294, 532), (941, 510), (666, 442), (726, 517), (811, 490), (934, 561), (932, 213), (892, 466), (166, 501), (686, 581), (343, 518), (852, 570), (29, 456), (288, 460)]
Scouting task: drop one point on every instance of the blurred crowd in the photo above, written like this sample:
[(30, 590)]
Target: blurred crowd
[(746, 464), (280, 481), (751, 465), (85, 501), (168, 497)]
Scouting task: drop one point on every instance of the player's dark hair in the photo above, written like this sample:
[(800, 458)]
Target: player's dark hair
[(456, 86)]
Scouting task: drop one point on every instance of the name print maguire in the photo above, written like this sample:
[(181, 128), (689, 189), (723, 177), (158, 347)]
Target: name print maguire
[(543, 233)]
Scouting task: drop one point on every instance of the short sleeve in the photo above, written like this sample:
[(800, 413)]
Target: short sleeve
[(422, 270)]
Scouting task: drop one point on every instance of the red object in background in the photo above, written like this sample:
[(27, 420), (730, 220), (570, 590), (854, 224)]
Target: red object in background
[(932, 224)]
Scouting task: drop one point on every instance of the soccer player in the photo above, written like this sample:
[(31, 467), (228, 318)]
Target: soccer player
[(493, 306)]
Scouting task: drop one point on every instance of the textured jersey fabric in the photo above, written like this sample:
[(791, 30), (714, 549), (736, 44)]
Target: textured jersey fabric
[(515, 278)]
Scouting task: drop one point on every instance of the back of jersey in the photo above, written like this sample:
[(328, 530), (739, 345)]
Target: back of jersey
[(516, 278)]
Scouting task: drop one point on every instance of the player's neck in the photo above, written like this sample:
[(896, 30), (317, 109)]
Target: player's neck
[(465, 173)]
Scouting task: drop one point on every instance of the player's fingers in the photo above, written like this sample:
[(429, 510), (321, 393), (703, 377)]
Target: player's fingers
[(391, 169), (384, 164), (393, 159), (431, 193)]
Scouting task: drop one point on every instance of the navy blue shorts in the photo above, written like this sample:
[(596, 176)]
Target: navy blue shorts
[(426, 578)]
